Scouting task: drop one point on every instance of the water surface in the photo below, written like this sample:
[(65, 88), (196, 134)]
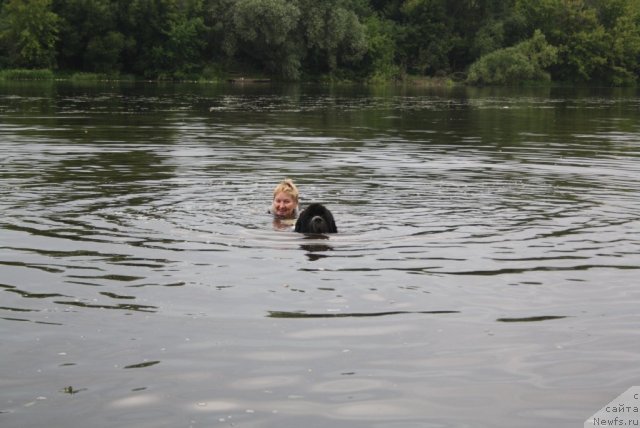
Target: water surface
[(485, 273)]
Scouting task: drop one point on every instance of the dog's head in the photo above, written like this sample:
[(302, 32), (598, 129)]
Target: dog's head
[(316, 218)]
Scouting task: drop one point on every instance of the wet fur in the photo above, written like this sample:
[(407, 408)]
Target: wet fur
[(316, 218)]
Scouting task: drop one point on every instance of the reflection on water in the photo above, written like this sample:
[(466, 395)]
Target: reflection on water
[(281, 314), (483, 274)]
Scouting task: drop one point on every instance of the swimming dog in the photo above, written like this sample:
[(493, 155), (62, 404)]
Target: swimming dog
[(316, 218)]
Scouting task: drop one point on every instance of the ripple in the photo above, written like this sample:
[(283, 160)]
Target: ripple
[(486, 238), (142, 365), (121, 306), (532, 319), (285, 314)]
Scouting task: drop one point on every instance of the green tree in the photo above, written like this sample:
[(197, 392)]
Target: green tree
[(334, 35), (426, 37), (624, 52), (29, 32), (187, 38), (477, 27), (147, 24), (490, 37), (597, 40), (186, 43), (524, 63), (217, 16), (381, 51), (594, 40), (389, 9), (582, 45), (265, 32), (103, 52), (90, 38)]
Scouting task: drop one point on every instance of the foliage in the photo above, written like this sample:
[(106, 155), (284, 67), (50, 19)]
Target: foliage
[(29, 32), (264, 30), (585, 32), (426, 37), (148, 22), (185, 43), (524, 63), (379, 61), (23, 74), (103, 52), (597, 41), (489, 38), (89, 36), (88, 77), (333, 34)]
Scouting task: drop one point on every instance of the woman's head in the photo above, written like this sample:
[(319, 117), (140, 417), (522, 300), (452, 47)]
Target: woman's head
[(285, 199)]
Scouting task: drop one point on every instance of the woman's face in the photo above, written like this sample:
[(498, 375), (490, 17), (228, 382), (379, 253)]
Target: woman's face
[(284, 206)]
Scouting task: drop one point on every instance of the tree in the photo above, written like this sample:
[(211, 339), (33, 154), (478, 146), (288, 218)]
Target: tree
[(29, 32), (103, 52), (624, 53), (186, 43), (147, 25), (426, 38), (477, 29), (381, 51), (217, 18), (524, 63), (597, 40), (583, 42), (265, 31), (333, 34), (490, 37), (90, 37)]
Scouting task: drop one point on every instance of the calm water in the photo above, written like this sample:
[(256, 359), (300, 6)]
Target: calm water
[(485, 273)]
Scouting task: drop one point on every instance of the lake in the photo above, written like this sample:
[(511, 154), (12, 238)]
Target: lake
[(485, 273)]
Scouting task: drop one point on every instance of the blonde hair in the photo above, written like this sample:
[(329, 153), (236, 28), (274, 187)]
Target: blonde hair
[(287, 187)]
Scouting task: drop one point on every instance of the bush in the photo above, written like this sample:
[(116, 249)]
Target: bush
[(523, 63), (379, 58), (212, 73), (83, 77), (87, 77)]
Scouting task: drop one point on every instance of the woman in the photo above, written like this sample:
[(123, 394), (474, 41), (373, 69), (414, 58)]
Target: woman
[(285, 204)]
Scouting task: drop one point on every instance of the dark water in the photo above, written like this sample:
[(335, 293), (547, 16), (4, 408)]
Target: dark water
[(485, 273)]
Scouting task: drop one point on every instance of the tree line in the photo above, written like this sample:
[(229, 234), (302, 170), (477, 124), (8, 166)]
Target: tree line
[(480, 41)]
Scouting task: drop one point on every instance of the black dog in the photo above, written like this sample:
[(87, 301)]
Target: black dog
[(316, 218)]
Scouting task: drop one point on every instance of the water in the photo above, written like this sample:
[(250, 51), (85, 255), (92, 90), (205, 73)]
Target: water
[(485, 273)]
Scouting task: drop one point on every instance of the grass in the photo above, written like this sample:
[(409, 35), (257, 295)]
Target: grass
[(84, 77), (88, 77), (24, 74)]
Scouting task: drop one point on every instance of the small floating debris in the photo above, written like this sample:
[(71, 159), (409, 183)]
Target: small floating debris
[(71, 390)]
